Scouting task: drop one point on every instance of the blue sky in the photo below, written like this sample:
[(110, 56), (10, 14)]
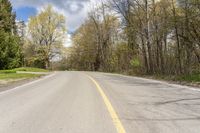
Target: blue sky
[(75, 11), (24, 13)]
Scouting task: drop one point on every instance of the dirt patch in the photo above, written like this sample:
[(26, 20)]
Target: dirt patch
[(6, 82)]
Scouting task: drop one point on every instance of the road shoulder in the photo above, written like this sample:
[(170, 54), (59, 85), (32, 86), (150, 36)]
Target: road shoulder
[(166, 82), (10, 84)]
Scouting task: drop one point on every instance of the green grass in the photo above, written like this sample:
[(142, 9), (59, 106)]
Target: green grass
[(27, 69), (190, 78), (7, 71), (193, 78), (12, 74), (7, 76), (30, 69)]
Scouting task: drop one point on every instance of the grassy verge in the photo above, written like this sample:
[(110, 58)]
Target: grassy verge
[(14, 76), (7, 71), (26, 69), (190, 80), (30, 69), (184, 78)]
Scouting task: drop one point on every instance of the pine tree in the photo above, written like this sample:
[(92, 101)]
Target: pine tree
[(10, 52), (7, 18)]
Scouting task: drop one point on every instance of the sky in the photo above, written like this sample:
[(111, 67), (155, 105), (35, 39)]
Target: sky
[(75, 11)]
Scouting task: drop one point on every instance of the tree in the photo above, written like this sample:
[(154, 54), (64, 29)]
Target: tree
[(47, 32), (93, 42), (7, 18), (155, 37), (10, 50)]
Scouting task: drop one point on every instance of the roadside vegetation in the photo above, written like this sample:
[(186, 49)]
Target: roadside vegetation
[(25, 69), (10, 42), (13, 74), (192, 79), (158, 39), (35, 44), (153, 38), (30, 69), (19, 76)]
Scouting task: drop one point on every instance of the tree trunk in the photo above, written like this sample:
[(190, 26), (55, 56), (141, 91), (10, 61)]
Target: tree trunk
[(145, 55), (177, 39), (150, 56)]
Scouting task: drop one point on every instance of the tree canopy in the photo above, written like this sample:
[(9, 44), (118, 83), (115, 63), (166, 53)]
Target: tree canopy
[(46, 33), (10, 50), (153, 37)]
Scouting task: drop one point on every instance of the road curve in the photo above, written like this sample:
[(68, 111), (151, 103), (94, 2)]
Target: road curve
[(69, 102)]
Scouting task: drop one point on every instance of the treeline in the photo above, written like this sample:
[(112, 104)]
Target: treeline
[(10, 42), (37, 44), (139, 36)]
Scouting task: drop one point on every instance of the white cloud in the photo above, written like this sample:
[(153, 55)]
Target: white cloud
[(68, 40), (74, 10)]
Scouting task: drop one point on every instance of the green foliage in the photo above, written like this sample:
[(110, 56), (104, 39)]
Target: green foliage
[(135, 63), (7, 18), (47, 32), (10, 51), (36, 61)]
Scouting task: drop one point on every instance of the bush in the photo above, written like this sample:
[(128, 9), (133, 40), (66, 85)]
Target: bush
[(135, 63)]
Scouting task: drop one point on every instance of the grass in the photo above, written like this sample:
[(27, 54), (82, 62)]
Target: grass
[(30, 69), (7, 71), (27, 69), (13, 75), (190, 78), (8, 76)]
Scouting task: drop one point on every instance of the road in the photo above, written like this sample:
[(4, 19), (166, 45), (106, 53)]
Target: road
[(86, 102)]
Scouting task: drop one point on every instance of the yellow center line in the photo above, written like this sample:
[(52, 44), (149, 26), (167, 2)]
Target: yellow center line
[(117, 123)]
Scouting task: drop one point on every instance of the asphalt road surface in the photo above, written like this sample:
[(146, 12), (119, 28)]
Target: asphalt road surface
[(73, 102)]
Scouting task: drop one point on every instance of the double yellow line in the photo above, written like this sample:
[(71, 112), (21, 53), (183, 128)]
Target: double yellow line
[(117, 123)]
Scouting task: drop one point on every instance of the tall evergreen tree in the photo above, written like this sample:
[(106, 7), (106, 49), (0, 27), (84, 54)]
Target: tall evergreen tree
[(7, 17), (9, 41)]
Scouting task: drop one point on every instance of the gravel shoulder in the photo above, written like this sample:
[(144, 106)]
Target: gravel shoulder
[(7, 85), (12, 83)]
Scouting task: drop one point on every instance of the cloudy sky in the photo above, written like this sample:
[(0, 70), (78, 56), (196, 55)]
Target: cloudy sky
[(74, 10)]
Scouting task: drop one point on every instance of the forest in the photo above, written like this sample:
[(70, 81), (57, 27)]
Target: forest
[(34, 44), (136, 37), (159, 37)]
